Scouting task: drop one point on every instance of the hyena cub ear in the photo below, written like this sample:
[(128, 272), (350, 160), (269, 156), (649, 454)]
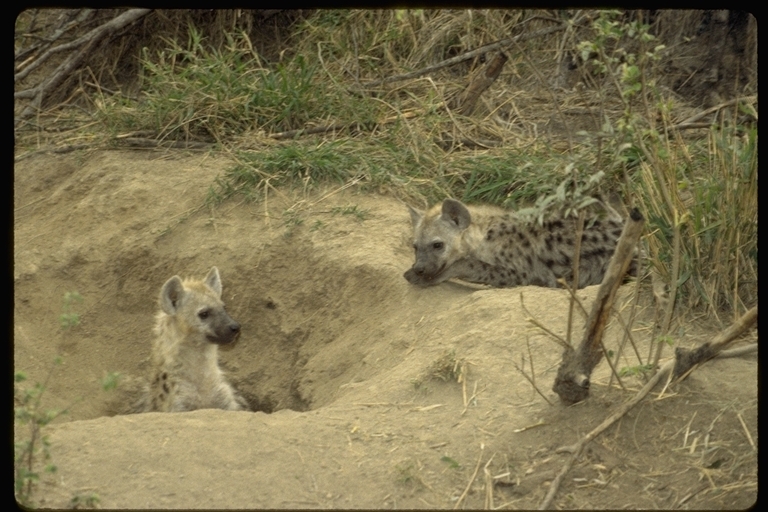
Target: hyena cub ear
[(171, 295), (213, 281), (456, 213)]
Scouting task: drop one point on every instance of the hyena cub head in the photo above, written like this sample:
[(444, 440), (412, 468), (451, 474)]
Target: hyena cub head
[(437, 241), (198, 310)]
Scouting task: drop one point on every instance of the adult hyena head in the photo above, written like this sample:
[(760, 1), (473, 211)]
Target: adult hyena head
[(437, 241), (197, 309)]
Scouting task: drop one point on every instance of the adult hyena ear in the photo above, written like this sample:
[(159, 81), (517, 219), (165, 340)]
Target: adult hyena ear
[(171, 294), (416, 215), (213, 280), (455, 212)]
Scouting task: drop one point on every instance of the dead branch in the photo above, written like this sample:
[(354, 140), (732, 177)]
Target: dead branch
[(466, 101), (33, 63), (739, 327), (448, 143), (291, 134), (691, 121), (63, 71), (572, 381), (686, 359), (137, 142), (576, 449), (498, 45), (737, 352)]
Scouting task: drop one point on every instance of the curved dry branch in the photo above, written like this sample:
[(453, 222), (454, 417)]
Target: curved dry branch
[(498, 45), (23, 69)]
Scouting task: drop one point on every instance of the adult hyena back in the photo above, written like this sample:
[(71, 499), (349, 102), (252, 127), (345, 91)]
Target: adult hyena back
[(190, 325), (492, 246)]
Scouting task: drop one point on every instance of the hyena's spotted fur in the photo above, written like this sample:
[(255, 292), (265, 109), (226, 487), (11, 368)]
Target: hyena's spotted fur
[(490, 246), (190, 325)]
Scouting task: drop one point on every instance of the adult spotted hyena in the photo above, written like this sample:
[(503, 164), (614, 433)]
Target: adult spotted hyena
[(185, 373), (491, 246)]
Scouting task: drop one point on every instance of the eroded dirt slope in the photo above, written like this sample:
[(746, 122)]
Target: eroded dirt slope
[(339, 355)]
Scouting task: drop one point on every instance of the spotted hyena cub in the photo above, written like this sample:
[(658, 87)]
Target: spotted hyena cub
[(190, 325), (491, 246)]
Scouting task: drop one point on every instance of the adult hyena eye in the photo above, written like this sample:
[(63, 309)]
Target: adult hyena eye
[(203, 314), (437, 245)]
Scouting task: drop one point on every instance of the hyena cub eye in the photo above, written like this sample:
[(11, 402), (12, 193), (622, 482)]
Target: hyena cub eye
[(437, 245), (202, 315)]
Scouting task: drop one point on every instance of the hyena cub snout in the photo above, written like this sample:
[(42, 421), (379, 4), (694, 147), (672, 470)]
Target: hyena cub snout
[(225, 329)]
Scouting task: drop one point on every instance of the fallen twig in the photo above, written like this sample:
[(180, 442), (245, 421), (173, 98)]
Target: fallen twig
[(541, 326), (691, 121)]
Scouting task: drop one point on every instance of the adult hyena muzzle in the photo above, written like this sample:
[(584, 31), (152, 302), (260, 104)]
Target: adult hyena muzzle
[(418, 275)]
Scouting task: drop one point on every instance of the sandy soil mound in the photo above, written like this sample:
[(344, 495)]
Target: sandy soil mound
[(351, 369)]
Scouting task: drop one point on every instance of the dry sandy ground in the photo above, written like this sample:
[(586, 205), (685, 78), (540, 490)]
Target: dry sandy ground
[(340, 356)]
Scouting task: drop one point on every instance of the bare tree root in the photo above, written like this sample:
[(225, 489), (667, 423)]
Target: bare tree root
[(86, 43), (739, 327)]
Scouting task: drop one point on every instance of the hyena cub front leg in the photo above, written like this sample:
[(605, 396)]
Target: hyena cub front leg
[(189, 328)]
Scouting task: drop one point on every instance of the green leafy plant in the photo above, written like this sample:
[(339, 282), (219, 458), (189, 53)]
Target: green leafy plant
[(69, 318), (81, 501), (451, 462), (30, 417), (359, 213)]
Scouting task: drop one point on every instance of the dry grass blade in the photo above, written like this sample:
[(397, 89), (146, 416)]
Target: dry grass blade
[(746, 431), (541, 326), (472, 479)]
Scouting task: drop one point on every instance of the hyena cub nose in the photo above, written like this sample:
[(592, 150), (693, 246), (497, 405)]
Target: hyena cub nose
[(225, 329), (231, 335)]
